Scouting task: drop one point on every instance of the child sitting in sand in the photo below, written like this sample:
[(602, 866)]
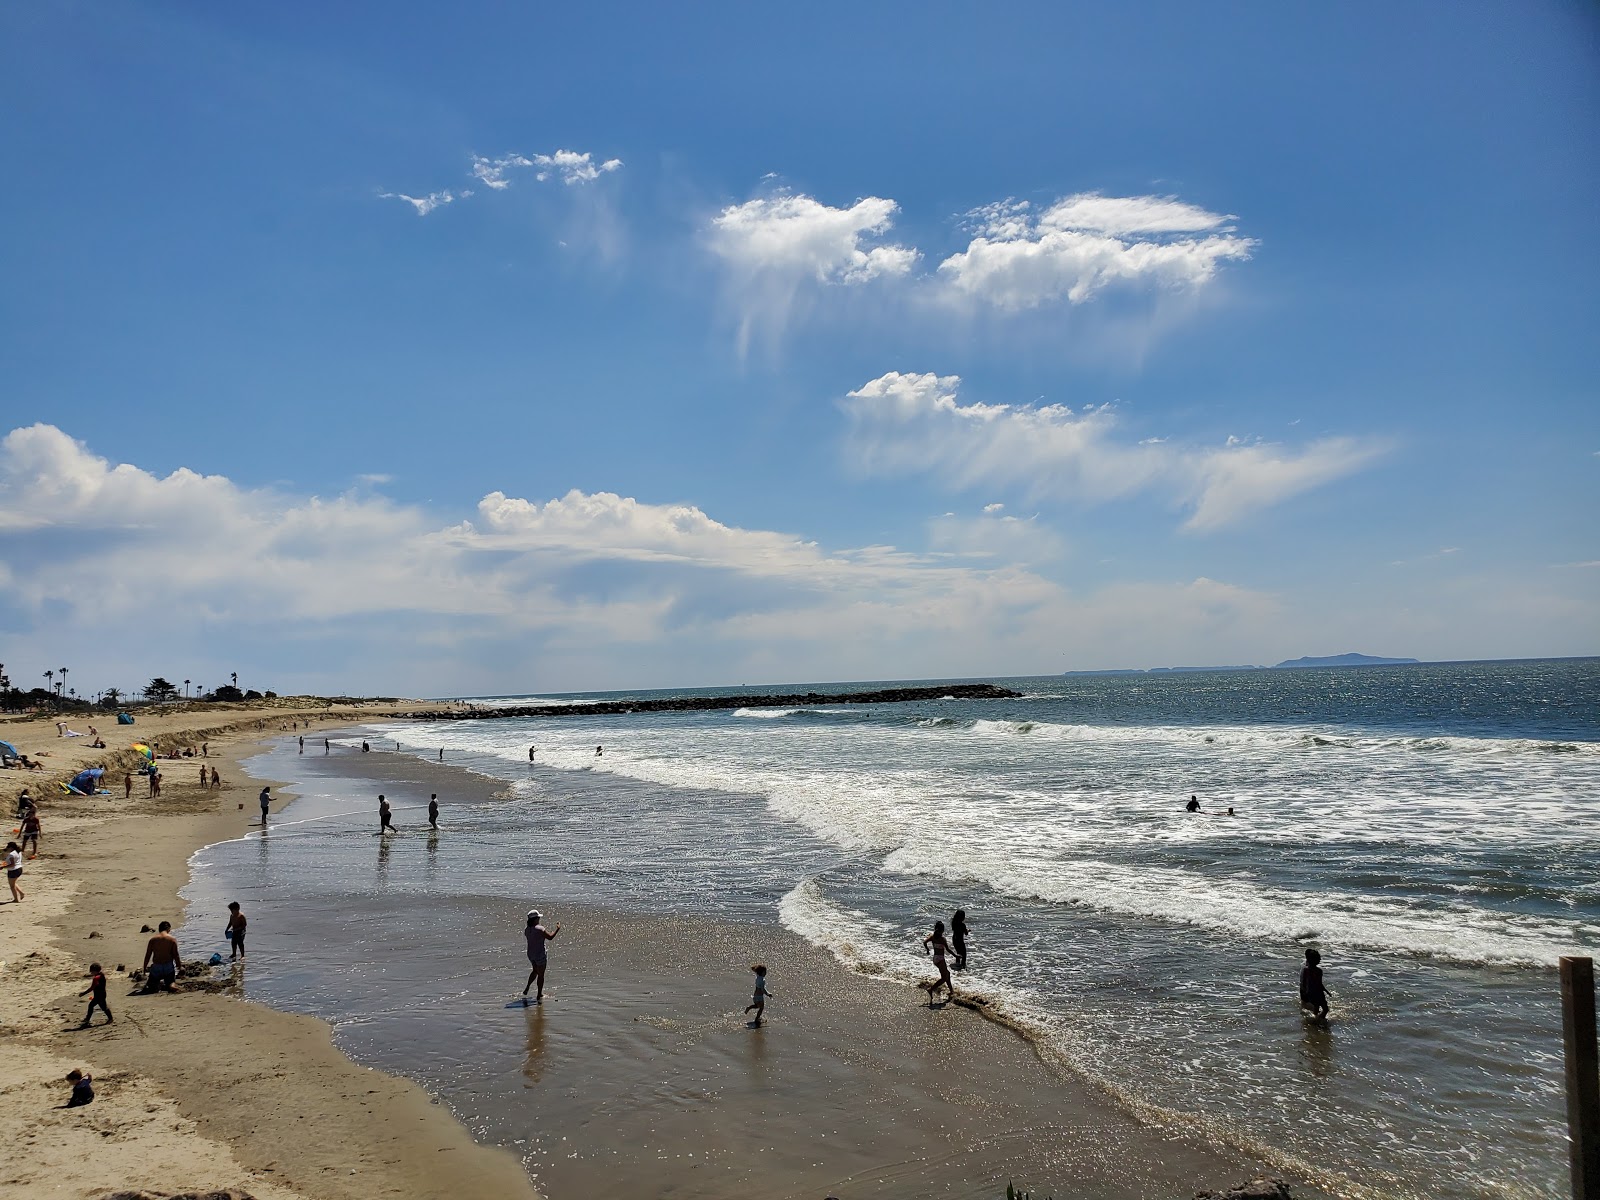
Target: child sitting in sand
[(759, 1002), (82, 1088), (1313, 994)]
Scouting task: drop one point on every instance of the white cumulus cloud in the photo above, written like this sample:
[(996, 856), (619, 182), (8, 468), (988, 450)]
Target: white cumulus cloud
[(915, 423), (778, 249), (1022, 258)]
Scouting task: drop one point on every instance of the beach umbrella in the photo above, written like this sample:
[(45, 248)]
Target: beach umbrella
[(145, 750), (9, 750), (86, 781)]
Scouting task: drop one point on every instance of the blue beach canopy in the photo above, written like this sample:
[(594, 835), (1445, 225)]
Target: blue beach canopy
[(84, 781), (9, 750)]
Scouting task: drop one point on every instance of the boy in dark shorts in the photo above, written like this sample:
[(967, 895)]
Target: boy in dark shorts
[(236, 926), (97, 985)]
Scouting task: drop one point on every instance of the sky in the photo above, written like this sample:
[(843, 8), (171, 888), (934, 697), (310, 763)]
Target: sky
[(520, 347)]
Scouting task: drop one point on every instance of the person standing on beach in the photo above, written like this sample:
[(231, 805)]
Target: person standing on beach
[(266, 803), (236, 928), (14, 872), (204, 779), (1313, 993), (385, 824), (324, 745), (127, 785), (958, 938), (599, 750), (537, 935), (433, 812), (216, 778), (97, 985), (936, 943), (759, 1001), (365, 749), (30, 831), (302, 745), (441, 753), (530, 753), (162, 960)]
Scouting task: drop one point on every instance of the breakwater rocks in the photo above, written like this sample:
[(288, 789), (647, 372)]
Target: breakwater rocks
[(601, 708)]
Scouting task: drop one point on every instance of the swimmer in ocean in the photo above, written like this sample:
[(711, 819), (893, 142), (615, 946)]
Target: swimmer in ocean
[(1193, 805)]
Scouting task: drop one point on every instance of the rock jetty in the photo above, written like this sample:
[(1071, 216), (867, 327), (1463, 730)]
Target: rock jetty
[(602, 708)]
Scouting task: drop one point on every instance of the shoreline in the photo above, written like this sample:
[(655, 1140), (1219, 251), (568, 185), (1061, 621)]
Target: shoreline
[(645, 1058), (202, 1090)]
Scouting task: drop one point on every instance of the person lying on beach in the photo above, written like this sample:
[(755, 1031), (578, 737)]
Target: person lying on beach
[(97, 986), (1313, 993), (385, 824), (936, 943), (537, 935), (30, 764), (162, 960), (82, 1089), (758, 1002)]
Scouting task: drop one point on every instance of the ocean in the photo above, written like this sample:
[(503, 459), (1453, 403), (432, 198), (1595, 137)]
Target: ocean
[(1432, 829)]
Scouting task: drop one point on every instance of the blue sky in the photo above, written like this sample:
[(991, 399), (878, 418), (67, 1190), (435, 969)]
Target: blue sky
[(803, 344)]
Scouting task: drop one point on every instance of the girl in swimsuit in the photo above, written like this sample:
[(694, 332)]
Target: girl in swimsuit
[(958, 938), (935, 941)]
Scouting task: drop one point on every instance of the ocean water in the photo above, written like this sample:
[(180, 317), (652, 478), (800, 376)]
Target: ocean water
[(1432, 829)]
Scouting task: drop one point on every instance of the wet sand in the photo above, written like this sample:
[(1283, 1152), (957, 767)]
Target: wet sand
[(640, 1075)]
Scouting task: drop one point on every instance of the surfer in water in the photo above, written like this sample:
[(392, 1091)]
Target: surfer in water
[(1193, 805)]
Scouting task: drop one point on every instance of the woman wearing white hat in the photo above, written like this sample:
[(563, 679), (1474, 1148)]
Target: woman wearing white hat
[(537, 936)]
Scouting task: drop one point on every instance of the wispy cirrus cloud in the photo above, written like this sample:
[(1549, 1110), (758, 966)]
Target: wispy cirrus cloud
[(570, 166), (426, 204), (915, 424)]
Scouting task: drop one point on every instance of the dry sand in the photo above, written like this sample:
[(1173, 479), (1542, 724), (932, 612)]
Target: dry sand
[(200, 1090)]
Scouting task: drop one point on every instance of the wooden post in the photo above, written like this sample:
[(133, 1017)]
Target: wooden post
[(1583, 1075)]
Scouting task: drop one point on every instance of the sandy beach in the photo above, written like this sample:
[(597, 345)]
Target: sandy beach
[(196, 1091), (641, 1075)]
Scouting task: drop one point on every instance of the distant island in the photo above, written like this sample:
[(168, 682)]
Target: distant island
[(1332, 660), (1347, 660)]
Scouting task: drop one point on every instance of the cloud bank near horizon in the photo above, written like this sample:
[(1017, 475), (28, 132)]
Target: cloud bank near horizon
[(584, 590)]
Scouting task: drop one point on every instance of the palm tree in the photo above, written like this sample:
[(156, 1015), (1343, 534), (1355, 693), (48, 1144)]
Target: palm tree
[(185, 689), (50, 681), (63, 672), (235, 678)]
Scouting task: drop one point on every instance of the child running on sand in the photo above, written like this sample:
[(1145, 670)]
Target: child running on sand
[(97, 985), (82, 1088), (758, 1003), (1313, 994)]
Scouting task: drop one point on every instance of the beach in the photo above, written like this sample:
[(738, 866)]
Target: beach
[(640, 1075), (196, 1091)]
